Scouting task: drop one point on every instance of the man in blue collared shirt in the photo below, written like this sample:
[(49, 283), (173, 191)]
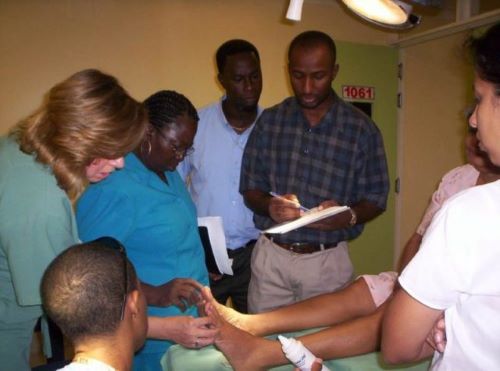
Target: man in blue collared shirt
[(213, 169)]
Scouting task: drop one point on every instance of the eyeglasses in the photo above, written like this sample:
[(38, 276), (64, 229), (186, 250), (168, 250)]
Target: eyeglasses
[(114, 244), (179, 153)]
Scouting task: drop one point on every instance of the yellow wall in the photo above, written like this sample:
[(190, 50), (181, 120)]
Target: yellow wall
[(157, 44), (151, 44), (436, 89)]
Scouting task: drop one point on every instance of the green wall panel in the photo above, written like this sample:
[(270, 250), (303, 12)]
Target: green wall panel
[(375, 66)]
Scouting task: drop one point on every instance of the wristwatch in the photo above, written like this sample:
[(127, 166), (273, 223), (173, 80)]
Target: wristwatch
[(354, 218)]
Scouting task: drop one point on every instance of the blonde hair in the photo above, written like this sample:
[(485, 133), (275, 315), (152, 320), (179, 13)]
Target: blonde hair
[(85, 117)]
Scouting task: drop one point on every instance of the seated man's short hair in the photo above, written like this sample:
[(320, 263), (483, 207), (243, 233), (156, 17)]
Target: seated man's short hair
[(83, 288)]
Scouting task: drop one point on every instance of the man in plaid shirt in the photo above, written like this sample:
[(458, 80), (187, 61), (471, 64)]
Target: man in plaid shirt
[(313, 149)]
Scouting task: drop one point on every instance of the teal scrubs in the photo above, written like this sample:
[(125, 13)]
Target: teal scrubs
[(36, 224), (157, 225)]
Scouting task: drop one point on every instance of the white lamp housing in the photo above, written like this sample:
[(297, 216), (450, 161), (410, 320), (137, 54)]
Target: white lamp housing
[(387, 13), (294, 12)]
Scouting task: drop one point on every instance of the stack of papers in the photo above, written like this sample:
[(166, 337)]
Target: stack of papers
[(214, 242)]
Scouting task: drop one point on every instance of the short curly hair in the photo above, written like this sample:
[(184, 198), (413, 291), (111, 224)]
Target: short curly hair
[(309, 39), (83, 289), (232, 47)]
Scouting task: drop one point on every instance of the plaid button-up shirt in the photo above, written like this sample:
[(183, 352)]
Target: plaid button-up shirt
[(341, 158)]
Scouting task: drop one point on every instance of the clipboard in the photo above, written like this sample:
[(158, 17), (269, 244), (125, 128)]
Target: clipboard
[(308, 218)]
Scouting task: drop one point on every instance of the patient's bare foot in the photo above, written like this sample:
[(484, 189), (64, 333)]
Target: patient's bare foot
[(240, 320), (244, 351)]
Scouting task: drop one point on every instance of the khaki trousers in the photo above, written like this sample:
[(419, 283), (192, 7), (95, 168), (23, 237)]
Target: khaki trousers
[(280, 277)]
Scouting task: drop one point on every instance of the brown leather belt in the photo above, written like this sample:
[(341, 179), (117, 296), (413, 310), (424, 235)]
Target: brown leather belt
[(304, 247)]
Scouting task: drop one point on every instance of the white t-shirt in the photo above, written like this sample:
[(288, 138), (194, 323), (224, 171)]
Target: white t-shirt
[(87, 364), (457, 269)]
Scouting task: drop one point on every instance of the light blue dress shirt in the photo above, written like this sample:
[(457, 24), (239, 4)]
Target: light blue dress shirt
[(212, 172)]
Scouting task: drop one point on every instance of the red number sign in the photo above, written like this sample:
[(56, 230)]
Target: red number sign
[(358, 92)]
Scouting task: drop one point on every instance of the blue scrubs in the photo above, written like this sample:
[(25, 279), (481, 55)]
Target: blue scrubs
[(157, 225)]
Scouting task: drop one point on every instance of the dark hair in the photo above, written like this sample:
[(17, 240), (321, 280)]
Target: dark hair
[(485, 51), (82, 289), (309, 39), (87, 116), (233, 47), (165, 106)]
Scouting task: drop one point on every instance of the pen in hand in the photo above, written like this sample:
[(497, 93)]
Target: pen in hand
[(274, 194)]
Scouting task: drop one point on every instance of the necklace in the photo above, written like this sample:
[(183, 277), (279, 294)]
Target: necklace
[(238, 129)]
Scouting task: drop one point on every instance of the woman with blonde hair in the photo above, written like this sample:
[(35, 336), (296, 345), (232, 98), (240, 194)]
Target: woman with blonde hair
[(84, 127)]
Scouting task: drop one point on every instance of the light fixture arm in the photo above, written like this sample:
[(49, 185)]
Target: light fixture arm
[(294, 12)]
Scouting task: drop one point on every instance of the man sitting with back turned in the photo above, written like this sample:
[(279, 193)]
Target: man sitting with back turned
[(92, 293), (313, 149)]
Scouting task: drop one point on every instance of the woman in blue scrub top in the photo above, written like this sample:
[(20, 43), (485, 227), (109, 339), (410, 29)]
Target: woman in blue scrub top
[(147, 207), (80, 133)]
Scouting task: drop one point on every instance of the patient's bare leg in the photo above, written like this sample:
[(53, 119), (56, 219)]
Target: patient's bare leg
[(247, 352), (354, 337), (324, 310), (237, 319), (243, 350)]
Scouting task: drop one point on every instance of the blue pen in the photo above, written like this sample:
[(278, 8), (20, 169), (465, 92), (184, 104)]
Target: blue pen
[(274, 194)]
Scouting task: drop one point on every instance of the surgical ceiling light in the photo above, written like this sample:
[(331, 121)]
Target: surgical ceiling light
[(385, 13)]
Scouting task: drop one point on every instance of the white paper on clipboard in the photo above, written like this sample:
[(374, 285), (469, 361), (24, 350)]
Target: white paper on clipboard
[(307, 218), (218, 242)]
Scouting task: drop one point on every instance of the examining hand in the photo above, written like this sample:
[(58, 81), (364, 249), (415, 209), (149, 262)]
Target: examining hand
[(182, 292), (194, 332), (185, 330), (437, 336), (284, 208)]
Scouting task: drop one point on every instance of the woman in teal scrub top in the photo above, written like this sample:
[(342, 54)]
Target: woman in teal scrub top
[(147, 207), (81, 132)]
